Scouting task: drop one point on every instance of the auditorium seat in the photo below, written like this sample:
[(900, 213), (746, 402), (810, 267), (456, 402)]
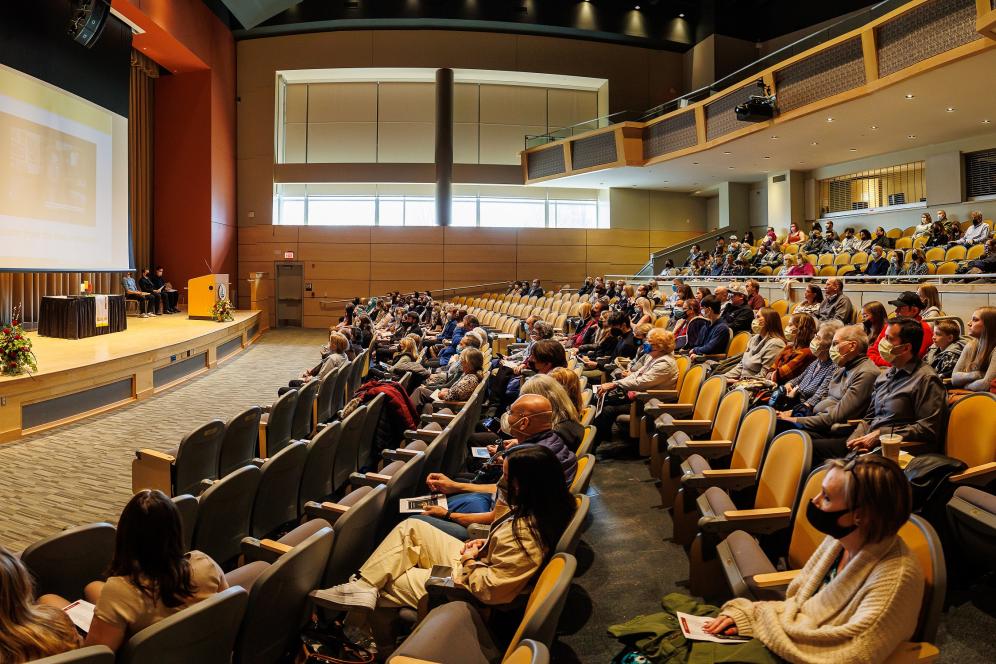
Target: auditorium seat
[(666, 417), (203, 633), (783, 475), (970, 436), (238, 445), (278, 604), (316, 479), (275, 503), (183, 470), (582, 476), (402, 483), (88, 655), (972, 519), (456, 633), (368, 434), (224, 512), (186, 505), (720, 443), (64, 563), (275, 425), (748, 569), (303, 419), (344, 459)]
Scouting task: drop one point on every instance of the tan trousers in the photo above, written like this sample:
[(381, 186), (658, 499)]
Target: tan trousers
[(400, 566)]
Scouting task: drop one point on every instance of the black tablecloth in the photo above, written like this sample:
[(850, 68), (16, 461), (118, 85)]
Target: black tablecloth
[(75, 317)]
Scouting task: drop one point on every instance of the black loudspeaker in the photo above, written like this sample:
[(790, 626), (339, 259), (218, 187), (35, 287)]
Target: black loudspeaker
[(89, 18)]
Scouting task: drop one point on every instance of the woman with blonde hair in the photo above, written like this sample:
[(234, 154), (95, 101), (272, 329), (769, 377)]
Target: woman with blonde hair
[(570, 381), (644, 313), (565, 420), (976, 367), (762, 349), (29, 631)]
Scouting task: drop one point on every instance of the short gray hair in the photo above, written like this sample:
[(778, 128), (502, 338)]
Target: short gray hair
[(827, 330), (543, 329), (855, 333)]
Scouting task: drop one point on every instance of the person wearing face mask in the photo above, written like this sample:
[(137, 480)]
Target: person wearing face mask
[(536, 290), (859, 595), (908, 399), (621, 333), (806, 389), (764, 346), (737, 313), (878, 265), (908, 305), (848, 389), (587, 287), (716, 337), (977, 233), (796, 355), (836, 305)]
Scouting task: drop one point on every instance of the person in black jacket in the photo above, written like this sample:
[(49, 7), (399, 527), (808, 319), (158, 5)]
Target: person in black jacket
[(169, 294), (737, 313), (879, 264), (145, 283), (536, 289), (621, 330)]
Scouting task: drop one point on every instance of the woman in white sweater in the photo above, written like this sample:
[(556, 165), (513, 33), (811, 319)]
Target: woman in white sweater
[(859, 595), (762, 349)]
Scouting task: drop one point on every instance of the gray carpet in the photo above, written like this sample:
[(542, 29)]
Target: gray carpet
[(82, 473)]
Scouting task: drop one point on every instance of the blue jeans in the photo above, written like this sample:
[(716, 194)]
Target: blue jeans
[(448, 527), (470, 503)]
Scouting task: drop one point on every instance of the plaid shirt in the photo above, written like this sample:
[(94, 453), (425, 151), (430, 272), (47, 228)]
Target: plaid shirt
[(814, 381)]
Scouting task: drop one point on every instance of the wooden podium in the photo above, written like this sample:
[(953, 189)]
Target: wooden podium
[(203, 293)]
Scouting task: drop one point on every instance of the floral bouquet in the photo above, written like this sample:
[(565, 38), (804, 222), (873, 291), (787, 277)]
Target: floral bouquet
[(16, 356), (222, 310)]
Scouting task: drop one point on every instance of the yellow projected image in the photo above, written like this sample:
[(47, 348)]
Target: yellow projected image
[(48, 174)]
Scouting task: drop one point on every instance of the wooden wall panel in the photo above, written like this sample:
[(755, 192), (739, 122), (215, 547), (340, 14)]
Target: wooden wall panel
[(353, 270), (418, 253), (328, 252), (407, 271), (551, 254), (552, 236), (496, 253)]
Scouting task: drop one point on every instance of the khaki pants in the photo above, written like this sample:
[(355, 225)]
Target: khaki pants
[(400, 566)]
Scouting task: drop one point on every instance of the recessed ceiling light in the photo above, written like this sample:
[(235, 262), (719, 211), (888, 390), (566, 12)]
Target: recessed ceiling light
[(985, 122), (909, 96), (774, 138), (727, 152), (829, 119), (695, 163), (681, 16), (852, 149), (911, 136), (730, 167), (814, 143), (874, 126), (767, 157), (637, 8), (950, 109)]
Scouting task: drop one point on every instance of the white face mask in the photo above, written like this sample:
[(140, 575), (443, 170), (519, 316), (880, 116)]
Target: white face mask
[(756, 326), (790, 334), (814, 346)]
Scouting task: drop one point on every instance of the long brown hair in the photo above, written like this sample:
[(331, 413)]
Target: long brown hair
[(772, 323), (878, 315), (28, 631), (805, 329), (985, 344)]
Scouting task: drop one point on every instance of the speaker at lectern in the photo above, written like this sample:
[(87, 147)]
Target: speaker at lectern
[(203, 293)]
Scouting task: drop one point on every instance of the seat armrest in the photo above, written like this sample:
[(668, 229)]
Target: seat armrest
[(672, 409), (275, 546), (977, 475), (775, 579), (709, 449), (441, 591), (723, 478), (426, 435), (453, 405), (691, 427), (915, 447), (410, 660), (907, 652), (400, 454), (368, 479), (328, 511), (152, 470), (760, 521), (439, 418), (762, 513), (478, 531), (257, 462), (154, 455)]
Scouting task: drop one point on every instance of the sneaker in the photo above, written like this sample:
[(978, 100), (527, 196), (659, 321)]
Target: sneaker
[(355, 594), (151, 315)]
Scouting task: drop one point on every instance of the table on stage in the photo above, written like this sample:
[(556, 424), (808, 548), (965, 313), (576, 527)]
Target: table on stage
[(75, 316)]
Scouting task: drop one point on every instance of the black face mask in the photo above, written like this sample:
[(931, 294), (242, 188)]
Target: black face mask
[(616, 332), (826, 522)]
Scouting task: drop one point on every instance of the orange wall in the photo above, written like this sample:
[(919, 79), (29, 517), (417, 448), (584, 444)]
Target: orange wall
[(194, 123)]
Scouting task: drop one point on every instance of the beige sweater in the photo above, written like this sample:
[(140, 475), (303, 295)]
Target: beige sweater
[(870, 607)]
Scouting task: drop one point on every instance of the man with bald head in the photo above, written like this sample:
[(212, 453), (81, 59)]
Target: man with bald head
[(835, 304)]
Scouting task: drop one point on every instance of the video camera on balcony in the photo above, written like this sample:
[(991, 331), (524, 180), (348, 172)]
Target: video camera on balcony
[(757, 108)]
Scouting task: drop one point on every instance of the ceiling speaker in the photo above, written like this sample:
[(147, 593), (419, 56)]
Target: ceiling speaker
[(88, 21)]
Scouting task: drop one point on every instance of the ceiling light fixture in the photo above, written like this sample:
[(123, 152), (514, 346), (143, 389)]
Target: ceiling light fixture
[(909, 96), (911, 136), (814, 143), (829, 119), (874, 126), (985, 122), (681, 16), (730, 167), (727, 152), (637, 8), (852, 149), (774, 138), (767, 157), (949, 109)]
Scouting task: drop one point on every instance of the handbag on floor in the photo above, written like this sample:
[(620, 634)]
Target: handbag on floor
[(329, 645)]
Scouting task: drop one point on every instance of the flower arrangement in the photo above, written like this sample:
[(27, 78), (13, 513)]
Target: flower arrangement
[(222, 310), (16, 355)]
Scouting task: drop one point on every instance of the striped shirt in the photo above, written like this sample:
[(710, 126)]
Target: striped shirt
[(814, 381)]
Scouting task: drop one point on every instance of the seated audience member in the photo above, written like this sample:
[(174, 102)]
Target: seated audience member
[(468, 323), (864, 242), (949, 225), (814, 245), (644, 312), (879, 238), (845, 395), (472, 366), (150, 577), (566, 421), (878, 264), (571, 383), (801, 267), (795, 236), (621, 343), (812, 299), (754, 298), (536, 290), (931, 301), (669, 270), (985, 264), (29, 631), (859, 595), (688, 329), (764, 346), (730, 267), (737, 313), (588, 327), (772, 257), (514, 288), (896, 264), (788, 264), (848, 242), (693, 255), (701, 292), (659, 372), (908, 399), (452, 372), (976, 367), (133, 292), (715, 338), (923, 229), (149, 288), (336, 357), (587, 287), (801, 393), (769, 238), (873, 320), (494, 570), (977, 233), (944, 353), (547, 355), (908, 305), (938, 236), (836, 305), (918, 264), (796, 355), (170, 295), (720, 247), (458, 382)]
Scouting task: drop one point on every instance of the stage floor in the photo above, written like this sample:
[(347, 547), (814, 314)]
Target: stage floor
[(79, 377)]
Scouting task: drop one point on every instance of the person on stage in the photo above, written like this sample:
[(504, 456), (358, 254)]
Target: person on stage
[(133, 292), (170, 296), (149, 288)]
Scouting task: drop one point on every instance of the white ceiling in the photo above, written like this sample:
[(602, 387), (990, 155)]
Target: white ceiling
[(812, 141)]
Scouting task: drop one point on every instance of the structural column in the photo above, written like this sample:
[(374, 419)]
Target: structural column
[(444, 146)]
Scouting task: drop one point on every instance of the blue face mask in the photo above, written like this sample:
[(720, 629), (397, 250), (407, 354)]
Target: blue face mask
[(646, 346)]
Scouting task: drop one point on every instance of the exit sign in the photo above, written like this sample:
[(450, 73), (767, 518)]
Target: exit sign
[(289, 255)]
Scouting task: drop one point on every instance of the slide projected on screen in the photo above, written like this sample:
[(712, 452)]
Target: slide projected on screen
[(63, 180)]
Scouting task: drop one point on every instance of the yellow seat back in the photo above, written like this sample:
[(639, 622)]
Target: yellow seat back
[(922, 541), (587, 415), (975, 251), (971, 432), (893, 233), (738, 344), (934, 254), (662, 322), (947, 268), (825, 259), (844, 269), (842, 259), (691, 385), (550, 590), (904, 242), (785, 468), (805, 539), (708, 400), (908, 231), (859, 258), (764, 269), (755, 431), (781, 306), (731, 410), (589, 435), (682, 362), (583, 462), (828, 271), (956, 253)]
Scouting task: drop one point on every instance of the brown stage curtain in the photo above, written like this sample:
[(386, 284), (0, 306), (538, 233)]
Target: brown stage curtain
[(26, 289)]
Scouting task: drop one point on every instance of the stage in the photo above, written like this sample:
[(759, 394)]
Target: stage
[(81, 377)]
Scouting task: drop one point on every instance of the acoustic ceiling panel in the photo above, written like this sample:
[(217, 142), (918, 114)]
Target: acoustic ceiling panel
[(251, 13)]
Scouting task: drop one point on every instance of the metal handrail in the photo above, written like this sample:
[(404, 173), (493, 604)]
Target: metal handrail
[(552, 136), (856, 278), (328, 304)]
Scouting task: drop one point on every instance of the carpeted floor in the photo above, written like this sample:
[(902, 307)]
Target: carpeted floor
[(82, 473)]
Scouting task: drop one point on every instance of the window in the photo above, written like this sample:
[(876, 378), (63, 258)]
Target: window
[(464, 212), (391, 211), (573, 214), (904, 184), (980, 173), (420, 211), (513, 212), (342, 211), (291, 210)]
